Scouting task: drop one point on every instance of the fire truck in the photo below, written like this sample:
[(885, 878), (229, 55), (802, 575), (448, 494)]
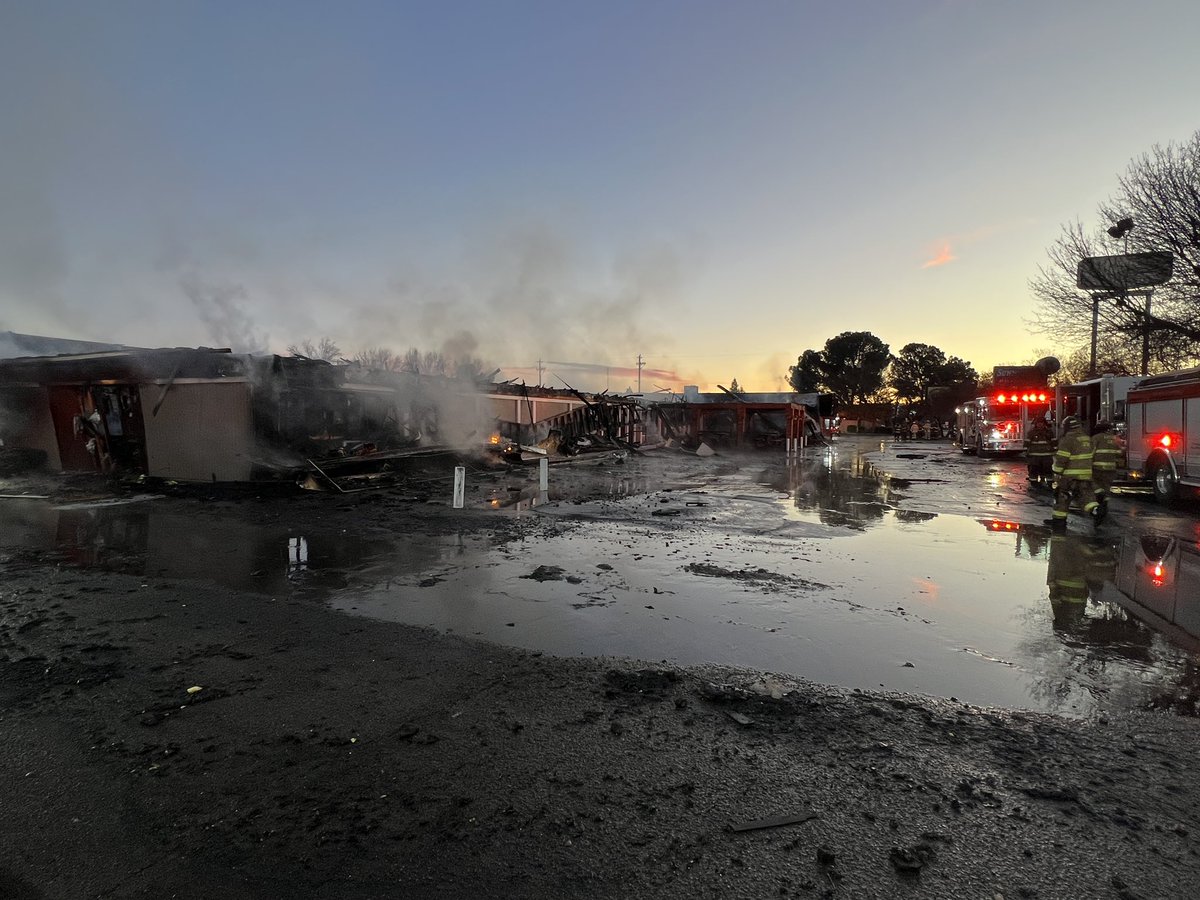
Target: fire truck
[(998, 423), (1102, 397), (1163, 419)]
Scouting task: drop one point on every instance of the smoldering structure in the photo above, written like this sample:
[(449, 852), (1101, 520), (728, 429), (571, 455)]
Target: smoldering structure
[(733, 420), (210, 415)]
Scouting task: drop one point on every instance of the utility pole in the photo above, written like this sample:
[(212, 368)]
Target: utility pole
[(641, 365), (541, 369)]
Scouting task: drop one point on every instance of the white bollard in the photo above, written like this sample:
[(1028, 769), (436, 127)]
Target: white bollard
[(543, 474), (460, 485)]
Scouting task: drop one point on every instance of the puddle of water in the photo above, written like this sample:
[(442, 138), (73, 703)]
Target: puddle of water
[(969, 608), (150, 540), (848, 580)]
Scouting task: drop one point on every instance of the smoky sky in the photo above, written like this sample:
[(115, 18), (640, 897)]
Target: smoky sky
[(517, 181), (110, 232)]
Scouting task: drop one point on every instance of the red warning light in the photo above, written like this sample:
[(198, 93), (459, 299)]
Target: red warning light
[(1165, 441), (1042, 397), (1156, 574), (1001, 398)]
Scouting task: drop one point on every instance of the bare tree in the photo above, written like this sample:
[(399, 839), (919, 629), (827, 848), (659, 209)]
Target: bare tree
[(429, 362), (325, 348), (378, 358), (418, 362), (1160, 193), (1113, 357)]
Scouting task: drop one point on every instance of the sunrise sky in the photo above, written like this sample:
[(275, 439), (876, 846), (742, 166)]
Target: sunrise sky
[(716, 186)]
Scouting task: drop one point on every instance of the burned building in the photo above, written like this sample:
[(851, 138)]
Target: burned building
[(740, 421), (211, 415)]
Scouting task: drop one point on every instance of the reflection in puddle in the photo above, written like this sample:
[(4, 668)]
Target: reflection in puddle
[(606, 486), (151, 540), (843, 489), (297, 556)]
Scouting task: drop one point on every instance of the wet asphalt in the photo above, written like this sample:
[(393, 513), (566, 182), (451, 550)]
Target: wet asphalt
[(339, 752)]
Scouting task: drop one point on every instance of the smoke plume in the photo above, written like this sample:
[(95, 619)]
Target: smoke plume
[(224, 310)]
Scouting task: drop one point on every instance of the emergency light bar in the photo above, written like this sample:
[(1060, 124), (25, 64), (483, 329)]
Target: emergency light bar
[(1028, 397)]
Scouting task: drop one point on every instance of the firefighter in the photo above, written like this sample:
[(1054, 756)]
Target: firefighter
[(1106, 453), (1039, 453), (1072, 468)]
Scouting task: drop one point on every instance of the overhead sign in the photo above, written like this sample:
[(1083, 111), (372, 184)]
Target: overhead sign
[(1125, 271), (1010, 377)]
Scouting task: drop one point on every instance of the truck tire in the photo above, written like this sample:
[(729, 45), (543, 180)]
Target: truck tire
[(979, 451), (1165, 483)]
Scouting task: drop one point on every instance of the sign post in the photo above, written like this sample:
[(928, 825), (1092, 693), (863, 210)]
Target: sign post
[(460, 485)]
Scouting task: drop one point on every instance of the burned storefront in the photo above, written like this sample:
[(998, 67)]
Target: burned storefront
[(736, 421), (211, 415), (106, 411), (565, 421)]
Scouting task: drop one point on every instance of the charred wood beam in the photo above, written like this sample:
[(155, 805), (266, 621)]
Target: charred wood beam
[(163, 394)]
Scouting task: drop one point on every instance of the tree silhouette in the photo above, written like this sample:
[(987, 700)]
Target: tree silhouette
[(1160, 193), (851, 367), (325, 348), (919, 367)]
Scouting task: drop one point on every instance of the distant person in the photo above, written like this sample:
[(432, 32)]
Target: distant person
[(1106, 454), (1039, 454), (914, 430), (1072, 468)]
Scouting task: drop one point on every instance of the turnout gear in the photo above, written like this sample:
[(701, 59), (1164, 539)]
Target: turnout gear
[(1077, 569), (1106, 456), (1039, 453), (1073, 469)]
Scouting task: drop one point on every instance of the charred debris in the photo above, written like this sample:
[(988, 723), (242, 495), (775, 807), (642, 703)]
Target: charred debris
[(209, 415)]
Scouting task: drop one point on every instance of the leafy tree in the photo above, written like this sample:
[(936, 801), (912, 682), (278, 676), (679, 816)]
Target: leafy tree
[(851, 367), (919, 367), (1160, 194), (326, 348), (807, 376)]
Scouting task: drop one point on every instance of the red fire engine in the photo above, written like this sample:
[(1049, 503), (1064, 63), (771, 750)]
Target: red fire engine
[(1163, 417), (998, 423)]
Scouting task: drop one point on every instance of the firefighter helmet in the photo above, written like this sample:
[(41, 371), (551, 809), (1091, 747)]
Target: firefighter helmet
[(1071, 422), (1102, 425)]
